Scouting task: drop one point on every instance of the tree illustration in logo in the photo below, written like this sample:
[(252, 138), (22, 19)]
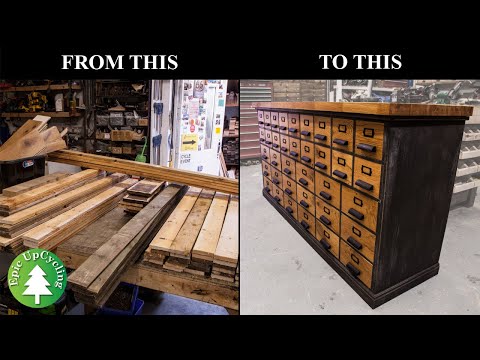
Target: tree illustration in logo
[(37, 284)]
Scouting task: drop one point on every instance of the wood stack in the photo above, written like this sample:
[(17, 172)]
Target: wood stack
[(139, 195), (95, 280), (32, 184)]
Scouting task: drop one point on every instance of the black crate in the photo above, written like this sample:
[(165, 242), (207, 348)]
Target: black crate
[(18, 171)]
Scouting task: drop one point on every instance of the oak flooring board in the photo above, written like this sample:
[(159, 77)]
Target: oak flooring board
[(227, 247), (31, 184)]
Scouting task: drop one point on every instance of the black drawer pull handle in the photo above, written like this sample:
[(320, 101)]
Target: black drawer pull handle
[(364, 185), (260, 122), (305, 133), (353, 270), (355, 213), (324, 220), (288, 191), (340, 174), (289, 209), (267, 189), (283, 128), (325, 195), (325, 244), (320, 137), (265, 173), (306, 159), (274, 163), (262, 139), (287, 171), (304, 204), (354, 243), (277, 198), (366, 147), (294, 153), (320, 165), (275, 146), (268, 142), (292, 130), (304, 224), (340, 141), (303, 181), (274, 126), (284, 149), (275, 181), (264, 157), (267, 124)]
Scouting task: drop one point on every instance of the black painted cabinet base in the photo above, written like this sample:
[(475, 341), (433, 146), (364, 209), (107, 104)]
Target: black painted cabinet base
[(372, 299)]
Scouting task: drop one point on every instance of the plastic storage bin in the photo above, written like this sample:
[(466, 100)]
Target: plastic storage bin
[(134, 308), (19, 171)]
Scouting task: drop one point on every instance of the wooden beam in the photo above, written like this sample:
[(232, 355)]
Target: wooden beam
[(149, 171), (227, 248)]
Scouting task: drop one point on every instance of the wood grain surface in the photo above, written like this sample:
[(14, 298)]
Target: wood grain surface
[(366, 206)]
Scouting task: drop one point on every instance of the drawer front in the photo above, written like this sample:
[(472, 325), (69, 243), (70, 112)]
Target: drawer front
[(268, 138), (261, 135), (295, 148), (294, 125), (369, 139), (289, 187), (283, 123), (328, 215), (267, 185), (322, 130), (328, 239), (342, 167), (306, 127), (305, 199), (276, 140), (261, 122), (305, 176), (267, 120), (276, 177), (274, 120), (275, 159), (306, 219), (266, 170), (358, 237), (290, 206), (366, 177), (356, 264), (322, 159), (288, 166), (277, 194), (360, 208), (327, 190), (265, 152), (307, 153), (284, 144), (342, 134)]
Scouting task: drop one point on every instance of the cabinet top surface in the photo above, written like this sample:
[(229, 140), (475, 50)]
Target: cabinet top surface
[(384, 109)]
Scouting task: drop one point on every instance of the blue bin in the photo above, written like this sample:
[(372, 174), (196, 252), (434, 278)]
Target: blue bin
[(133, 309), (138, 307)]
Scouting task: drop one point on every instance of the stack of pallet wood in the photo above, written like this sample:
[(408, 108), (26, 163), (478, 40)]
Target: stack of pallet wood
[(139, 195)]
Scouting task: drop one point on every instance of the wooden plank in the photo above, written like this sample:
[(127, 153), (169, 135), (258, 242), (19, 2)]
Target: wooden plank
[(227, 248), (154, 172), (210, 233), (29, 185), (185, 240), (145, 188)]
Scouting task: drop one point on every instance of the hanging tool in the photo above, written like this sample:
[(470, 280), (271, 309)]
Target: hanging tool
[(142, 158)]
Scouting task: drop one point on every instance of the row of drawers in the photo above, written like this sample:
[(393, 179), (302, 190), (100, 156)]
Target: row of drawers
[(355, 136), (354, 245), (362, 174)]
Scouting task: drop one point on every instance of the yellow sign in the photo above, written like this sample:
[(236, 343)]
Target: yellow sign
[(217, 130), (189, 142)]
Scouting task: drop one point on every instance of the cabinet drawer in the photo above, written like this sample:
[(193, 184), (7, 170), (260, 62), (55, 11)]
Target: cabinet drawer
[(261, 135), (328, 239), (276, 140), (306, 219), (294, 146), (306, 127), (307, 153), (265, 152), (294, 125), (342, 167), (267, 185), (276, 177), (327, 189), (277, 194), (366, 176), (327, 214), (358, 237), (305, 199), (276, 159), (284, 144), (288, 166), (261, 123), (305, 176), (322, 130), (283, 123), (322, 159), (266, 120), (274, 121), (359, 267), (342, 134), (289, 187), (369, 139), (290, 206), (268, 138), (360, 208), (266, 170)]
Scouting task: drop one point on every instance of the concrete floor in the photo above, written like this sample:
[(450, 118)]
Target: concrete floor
[(282, 274)]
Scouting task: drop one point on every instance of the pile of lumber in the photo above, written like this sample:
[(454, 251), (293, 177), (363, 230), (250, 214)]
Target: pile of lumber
[(29, 185), (32, 139), (233, 127), (95, 280), (140, 194), (231, 150), (200, 237)]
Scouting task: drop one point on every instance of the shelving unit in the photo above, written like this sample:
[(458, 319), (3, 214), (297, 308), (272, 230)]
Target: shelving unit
[(232, 141), (60, 114), (53, 87)]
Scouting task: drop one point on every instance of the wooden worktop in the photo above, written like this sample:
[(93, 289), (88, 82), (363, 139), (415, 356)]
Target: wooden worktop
[(384, 109)]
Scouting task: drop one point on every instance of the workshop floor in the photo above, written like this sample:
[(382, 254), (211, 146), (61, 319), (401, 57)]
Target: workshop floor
[(282, 274)]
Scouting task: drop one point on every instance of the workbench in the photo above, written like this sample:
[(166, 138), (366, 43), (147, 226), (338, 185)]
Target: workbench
[(77, 249)]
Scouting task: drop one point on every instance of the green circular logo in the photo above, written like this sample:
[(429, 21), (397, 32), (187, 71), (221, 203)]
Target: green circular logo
[(37, 278)]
